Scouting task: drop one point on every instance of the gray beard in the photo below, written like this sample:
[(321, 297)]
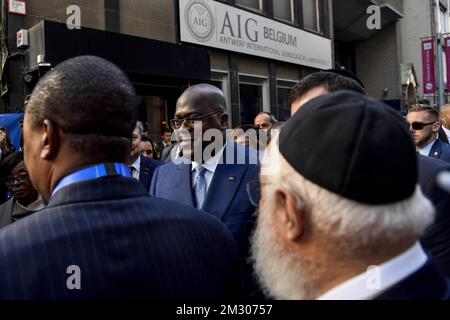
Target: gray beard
[(281, 275)]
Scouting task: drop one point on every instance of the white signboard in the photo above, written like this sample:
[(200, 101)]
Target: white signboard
[(214, 24), (17, 7)]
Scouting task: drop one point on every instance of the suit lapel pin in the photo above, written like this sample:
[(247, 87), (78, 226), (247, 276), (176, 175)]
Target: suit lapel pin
[(232, 178), (436, 153)]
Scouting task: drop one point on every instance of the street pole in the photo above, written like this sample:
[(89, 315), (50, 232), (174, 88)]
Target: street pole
[(440, 70)]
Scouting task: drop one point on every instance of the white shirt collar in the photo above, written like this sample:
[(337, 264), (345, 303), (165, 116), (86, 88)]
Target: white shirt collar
[(425, 151), (211, 164), (378, 279), (137, 164), (137, 167), (447, 132)]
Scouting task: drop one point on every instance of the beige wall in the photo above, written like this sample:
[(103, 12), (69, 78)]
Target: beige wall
[(153, 19), (415, 24), (92, 12), (253, 66), (219, 60), (287, 71), (377, 64)]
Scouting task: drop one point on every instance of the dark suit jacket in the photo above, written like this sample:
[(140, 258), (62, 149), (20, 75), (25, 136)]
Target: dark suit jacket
[(436, 239), (427, 283), (126, 244), (442, 135), (148, 167), (227, 198), (6, 212), (440, 151)]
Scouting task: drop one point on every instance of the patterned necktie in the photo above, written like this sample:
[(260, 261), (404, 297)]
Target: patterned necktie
[(200, 187)]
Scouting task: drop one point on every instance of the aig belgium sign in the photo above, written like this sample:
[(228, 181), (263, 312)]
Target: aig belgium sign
[(217, 25)]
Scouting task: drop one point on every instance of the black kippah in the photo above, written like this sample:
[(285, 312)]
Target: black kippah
[(353, 146), (9, 163)]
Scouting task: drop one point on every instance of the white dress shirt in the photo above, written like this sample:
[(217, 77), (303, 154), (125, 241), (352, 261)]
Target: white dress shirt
[(425, 151), (137, 168), (210, 165), (375, 281), (447, 132)]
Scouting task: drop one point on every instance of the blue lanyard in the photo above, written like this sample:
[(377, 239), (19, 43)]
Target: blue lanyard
[(94, 172)]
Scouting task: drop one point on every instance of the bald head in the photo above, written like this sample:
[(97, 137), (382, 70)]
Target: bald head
[(445, 116), (206, 94), (206, 104)]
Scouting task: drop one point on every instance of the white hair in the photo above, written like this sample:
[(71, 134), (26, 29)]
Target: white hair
[(350, 228)]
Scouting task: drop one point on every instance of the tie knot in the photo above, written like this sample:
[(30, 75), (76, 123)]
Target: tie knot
[(200, 171)]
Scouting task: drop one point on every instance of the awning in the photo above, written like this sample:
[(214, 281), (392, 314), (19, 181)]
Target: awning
[(134, 55), (350, 19)]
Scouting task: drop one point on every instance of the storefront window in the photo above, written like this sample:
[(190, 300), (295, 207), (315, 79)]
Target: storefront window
[(311, 15), (250, 102), (284, 10), (257, 5), (284, 105)]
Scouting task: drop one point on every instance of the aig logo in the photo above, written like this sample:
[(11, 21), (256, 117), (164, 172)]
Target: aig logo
[(199, 20)]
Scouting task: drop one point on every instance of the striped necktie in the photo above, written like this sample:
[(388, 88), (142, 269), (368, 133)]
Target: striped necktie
[(200, 187)]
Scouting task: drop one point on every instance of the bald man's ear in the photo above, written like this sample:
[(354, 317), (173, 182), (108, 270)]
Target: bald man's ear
[(223, 121), (50, 140)]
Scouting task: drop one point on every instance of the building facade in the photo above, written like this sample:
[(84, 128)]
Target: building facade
[(389, 59), (254, 50)]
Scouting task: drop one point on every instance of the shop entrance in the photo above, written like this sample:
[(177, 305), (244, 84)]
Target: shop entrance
[(157, 107)]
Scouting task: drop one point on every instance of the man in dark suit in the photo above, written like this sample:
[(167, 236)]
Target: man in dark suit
[(338, 219), (166, 141), (101, 235), (424, 128), (436, 239), (213, 173), (141, 168)]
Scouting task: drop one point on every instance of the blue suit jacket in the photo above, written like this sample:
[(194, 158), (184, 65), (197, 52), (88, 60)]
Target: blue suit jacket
[(226, 199), (148, 167), (427, 283), (126, 244), (436, 239), (440, 151)]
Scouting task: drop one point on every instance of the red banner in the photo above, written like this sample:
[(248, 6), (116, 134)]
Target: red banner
[(447, 59), (429, 78)]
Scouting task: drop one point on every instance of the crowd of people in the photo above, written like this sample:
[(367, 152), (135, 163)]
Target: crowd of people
[(341, 201)]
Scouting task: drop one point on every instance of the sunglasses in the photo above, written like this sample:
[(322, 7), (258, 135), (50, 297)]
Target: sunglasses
[(420, 125)]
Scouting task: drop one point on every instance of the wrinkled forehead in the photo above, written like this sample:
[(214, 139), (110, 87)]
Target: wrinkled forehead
[(262, 118)]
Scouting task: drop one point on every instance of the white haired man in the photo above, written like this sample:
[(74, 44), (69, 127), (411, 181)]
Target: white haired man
[(340, 211)]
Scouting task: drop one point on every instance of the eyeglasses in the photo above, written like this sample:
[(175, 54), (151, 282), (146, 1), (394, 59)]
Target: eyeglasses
[(21, 178), (189, 122), (420, 125), (254, 192)]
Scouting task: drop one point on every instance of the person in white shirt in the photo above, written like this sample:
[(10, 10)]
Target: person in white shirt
[(340, 211), (445, 119)]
